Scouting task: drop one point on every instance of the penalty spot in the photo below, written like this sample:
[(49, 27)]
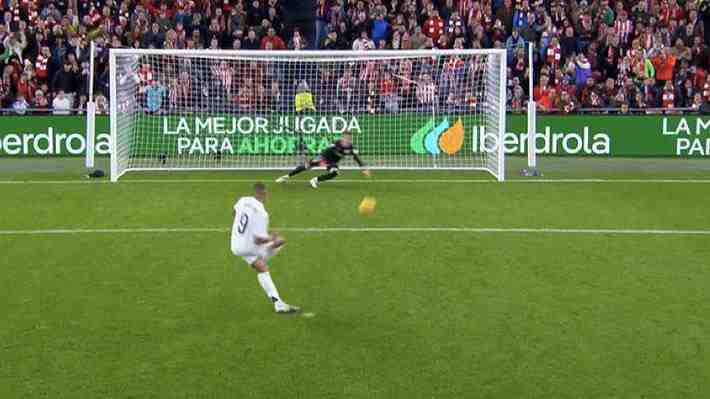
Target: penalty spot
[(309, 314)]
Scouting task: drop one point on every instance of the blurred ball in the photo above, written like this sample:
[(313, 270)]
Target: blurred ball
[(367, 206)]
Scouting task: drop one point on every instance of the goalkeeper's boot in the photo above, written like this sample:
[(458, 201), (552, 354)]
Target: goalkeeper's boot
[(282, 179), (314, 182), (283, 307)]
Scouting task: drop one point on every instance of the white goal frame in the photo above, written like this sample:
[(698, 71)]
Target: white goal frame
[(117, 171)]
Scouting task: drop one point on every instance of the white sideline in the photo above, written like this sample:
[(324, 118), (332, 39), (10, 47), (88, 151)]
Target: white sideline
[(374, 180), (363, 229)]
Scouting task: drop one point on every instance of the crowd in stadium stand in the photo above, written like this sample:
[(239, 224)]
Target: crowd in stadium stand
[(589, 54)]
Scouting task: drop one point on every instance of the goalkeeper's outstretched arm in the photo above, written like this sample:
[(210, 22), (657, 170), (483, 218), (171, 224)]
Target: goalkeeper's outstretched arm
[(361, 164), (348, 137)]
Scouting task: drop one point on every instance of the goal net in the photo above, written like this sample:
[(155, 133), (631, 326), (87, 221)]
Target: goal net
[(212, 110)]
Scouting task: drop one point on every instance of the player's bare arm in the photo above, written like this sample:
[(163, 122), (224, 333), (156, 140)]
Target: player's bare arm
[(252, 241), (261, 240)]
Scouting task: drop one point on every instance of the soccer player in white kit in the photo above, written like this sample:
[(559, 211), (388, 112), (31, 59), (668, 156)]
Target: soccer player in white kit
[(252, 242)]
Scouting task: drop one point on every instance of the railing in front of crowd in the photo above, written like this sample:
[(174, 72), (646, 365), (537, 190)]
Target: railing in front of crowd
[(41, 111), (555, 111), (617, 111)]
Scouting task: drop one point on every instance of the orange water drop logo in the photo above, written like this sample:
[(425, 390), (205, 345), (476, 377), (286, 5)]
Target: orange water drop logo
[(452, 140)]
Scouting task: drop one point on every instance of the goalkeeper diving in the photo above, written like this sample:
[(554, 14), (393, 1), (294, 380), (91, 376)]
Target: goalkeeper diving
[(329, 158)]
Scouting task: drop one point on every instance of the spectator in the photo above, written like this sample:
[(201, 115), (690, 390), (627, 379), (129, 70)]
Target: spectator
[(66, 80), (669, 95), (14, 45), (237, 17), (345, 91), (25, 87), (517, 100), (154, 95), (154, 38), (515, 41), (20, 105), (586, 92), (344, 38), (434, 25), (276, 42), (372, 97), (363, 42), (388, 93), (40, 101), (255, 13), (42, 64), (618, 40), (651, 95), (380, 28), (567, 103), (541, 93), (418, 39), (582, 70), (426, 93), (520, 15), (699, 105), (245, 97), (251, 42), (101, 104), (594, 101), (6, 86), (568, 45), (706, 89), (624, 108), (327, 86), (322, 18), (331, 41), (623, 28), (609, 91), (664, 62), (505, 15), (455, 25), (62, 103), (687, 93), (304, 98)]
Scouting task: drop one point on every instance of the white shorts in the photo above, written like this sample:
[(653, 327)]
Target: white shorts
[(254, 252)]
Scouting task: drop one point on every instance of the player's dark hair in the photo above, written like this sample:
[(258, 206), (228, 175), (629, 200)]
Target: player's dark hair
[(259, 187)]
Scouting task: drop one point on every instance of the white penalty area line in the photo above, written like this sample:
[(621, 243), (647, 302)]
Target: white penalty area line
[(483, 230), (374, 180)]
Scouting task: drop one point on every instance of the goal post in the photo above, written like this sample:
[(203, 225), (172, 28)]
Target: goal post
[(261, 110)]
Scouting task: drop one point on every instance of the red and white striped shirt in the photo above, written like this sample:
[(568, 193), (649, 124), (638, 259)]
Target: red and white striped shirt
[(225, 76), (368, 72), (464, 6), (623, 30), (426, 93)]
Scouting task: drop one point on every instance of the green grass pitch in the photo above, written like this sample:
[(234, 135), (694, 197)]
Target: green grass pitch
[(398, 314)]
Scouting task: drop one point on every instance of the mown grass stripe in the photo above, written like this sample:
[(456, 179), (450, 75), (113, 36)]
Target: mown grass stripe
[(530, 230)]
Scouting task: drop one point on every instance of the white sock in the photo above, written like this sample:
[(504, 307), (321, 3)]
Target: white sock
[(269, 287)]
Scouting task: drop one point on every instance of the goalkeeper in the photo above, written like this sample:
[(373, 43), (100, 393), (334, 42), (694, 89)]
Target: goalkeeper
[(329, 159)]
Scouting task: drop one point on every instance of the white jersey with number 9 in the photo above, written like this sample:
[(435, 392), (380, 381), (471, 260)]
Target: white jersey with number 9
[(250, 220)]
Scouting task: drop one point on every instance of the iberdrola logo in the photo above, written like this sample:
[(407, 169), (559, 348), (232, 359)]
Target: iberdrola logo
[(434, 139)]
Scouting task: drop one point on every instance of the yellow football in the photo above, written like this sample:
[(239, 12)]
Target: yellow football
[(367, 206)]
